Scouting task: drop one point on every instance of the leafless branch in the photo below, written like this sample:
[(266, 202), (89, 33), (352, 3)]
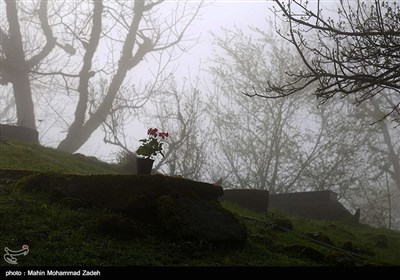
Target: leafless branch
[(356, 55)]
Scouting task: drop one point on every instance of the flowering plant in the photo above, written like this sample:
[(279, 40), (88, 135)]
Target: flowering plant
[(152, 145)]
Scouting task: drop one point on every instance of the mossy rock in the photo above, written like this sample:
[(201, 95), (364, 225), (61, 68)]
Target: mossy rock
[(348, 246), (380, 241), (321, 237), (134, 195), (357, 248), (15, 174), (305, 251), (282, 225), (381, 244), (40, 182), (200, 220)]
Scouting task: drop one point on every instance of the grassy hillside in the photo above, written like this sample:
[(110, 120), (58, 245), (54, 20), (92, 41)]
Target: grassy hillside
[(20, 156), (62, 235)]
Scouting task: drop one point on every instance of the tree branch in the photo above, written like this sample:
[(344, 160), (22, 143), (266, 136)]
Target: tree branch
[(50, 40)]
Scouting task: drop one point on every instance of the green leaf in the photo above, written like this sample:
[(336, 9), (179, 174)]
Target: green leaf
[(144, 151)]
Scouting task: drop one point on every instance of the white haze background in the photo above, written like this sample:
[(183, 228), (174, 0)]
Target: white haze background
[(215, 16)]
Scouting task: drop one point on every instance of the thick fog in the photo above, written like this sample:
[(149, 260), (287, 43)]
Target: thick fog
[(194, 64), (101, 75)]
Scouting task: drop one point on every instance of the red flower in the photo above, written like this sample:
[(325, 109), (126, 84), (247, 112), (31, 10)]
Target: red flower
[(152, 131), (153, 145), (163, 134)]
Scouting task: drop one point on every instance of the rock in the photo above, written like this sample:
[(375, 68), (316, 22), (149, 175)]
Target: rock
[(11, 174), (381, 244), (380, 241), (183, 208), (319, 236), (282, 225), (311, 205), (200, 220), (19, 133), (256, 200), (348, 246), (133, 195), (360, 250), (305, 251)]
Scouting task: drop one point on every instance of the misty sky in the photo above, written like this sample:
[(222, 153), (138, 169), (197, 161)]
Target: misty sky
[(224, 14), (216, 15)]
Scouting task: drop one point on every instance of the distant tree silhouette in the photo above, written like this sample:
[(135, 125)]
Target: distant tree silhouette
[(355, 54), (69, 47)]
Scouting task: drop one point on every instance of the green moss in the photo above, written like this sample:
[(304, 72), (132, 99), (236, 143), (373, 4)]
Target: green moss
[(200, 220), (32, 157), (170, 216), (118, 227), (58, 235), (46, 214)]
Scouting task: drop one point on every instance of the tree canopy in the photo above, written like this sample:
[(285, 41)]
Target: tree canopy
[(80, 52), (354, 52)]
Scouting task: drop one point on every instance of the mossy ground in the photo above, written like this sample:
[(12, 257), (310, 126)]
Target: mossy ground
[(58, 235), (61, 235), (21, 156)]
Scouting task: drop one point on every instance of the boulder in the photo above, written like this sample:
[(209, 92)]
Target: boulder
[(282, 225), (132, 194), (182, 208), (313, 205), (256, 200), (200, 220), (19, 133), (321, 237), (305, 251), (380, 241)]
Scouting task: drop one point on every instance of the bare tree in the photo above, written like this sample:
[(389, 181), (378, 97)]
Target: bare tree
[(354, 52), (129, 31), (356, 56), (260, 143), (290, 144), (127, 107), (14, 63), (7, 114), (380, 203), (180, 110)]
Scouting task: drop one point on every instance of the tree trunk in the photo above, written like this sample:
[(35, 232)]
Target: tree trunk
[(79, 133), (23, 100), (392, 156), (18, 69)]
